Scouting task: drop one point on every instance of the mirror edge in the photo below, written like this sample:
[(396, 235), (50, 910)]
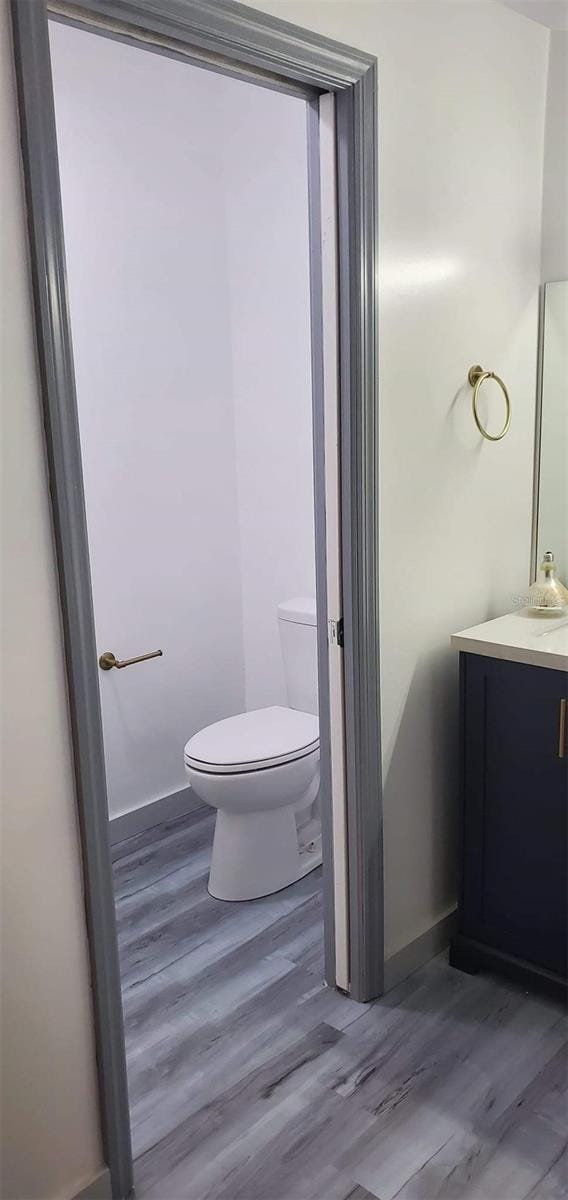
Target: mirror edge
[(537, 432)]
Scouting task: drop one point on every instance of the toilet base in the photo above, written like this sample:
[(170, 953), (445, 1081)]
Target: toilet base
[(256, 854)]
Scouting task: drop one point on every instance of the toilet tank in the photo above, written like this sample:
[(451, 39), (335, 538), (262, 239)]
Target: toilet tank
[(298, 639)]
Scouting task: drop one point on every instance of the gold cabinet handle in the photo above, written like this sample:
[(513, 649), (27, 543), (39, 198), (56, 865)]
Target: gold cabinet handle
[(562, 729), (107, 660)]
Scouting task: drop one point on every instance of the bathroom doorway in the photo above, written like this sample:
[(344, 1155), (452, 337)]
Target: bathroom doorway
[(340, 217), (186, 223), (185, 210)]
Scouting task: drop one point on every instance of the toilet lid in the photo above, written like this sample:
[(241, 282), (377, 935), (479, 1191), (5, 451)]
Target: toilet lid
[(253, 740)]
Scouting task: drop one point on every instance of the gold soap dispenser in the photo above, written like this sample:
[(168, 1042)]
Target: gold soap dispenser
[(547, 594)]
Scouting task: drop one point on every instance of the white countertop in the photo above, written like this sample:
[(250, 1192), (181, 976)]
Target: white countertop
[(519, 637)]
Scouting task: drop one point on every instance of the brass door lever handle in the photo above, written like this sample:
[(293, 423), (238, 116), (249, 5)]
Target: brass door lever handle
[(108, 660)]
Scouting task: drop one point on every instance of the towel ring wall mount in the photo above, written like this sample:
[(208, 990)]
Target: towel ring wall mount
[(476, 377)]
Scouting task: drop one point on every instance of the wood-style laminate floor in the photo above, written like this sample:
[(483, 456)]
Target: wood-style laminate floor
[(251, 1081)]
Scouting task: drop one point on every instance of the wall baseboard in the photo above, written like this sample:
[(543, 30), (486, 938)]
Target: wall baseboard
[(420, 951), (165, 808), (98, 1189)]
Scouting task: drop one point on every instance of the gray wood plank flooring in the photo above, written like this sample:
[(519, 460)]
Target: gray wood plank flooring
[(249, 1080)]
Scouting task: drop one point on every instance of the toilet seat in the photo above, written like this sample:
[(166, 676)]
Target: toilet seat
[(253, 741)]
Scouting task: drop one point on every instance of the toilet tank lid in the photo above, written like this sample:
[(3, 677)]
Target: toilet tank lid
[(301, 610)]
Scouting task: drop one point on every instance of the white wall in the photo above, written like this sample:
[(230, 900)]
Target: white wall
[(50, 1130), (185, 209), (144, 222), (555, 182), (266, 186), (461, 118)]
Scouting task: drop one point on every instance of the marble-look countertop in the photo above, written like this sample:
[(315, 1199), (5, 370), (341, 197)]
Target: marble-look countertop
[(520, 636)]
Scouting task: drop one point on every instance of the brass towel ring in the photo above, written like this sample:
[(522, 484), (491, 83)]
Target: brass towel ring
[(476, 376)]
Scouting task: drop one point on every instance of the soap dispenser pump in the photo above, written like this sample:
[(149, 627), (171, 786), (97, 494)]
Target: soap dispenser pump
[(547, 594)]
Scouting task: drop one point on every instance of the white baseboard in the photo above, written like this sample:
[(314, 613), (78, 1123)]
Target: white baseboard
[(165, 808), (98, 1189), (420, 951)]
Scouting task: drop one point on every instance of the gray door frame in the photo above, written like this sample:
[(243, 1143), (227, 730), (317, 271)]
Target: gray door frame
[(242, 41)]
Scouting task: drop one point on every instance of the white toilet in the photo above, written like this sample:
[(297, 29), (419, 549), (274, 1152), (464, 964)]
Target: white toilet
[(260, 770)]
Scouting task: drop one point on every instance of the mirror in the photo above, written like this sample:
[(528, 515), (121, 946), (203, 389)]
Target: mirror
[(550, 524)]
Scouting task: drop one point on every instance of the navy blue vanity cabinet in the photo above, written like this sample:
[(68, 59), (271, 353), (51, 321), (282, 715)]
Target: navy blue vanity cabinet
[(514, 821)]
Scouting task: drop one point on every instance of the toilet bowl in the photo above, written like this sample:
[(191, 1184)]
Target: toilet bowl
[(259, 770)]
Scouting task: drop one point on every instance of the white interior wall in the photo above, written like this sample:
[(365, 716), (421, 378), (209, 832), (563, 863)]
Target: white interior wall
[(144, 232), (461, 119), (185, 210), (50, 1140), (266, 189), (555, 181)]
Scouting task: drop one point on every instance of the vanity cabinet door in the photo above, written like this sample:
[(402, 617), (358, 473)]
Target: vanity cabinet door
[(515, 790)]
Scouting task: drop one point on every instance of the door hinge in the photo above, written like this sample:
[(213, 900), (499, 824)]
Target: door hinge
[(335, 632)]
